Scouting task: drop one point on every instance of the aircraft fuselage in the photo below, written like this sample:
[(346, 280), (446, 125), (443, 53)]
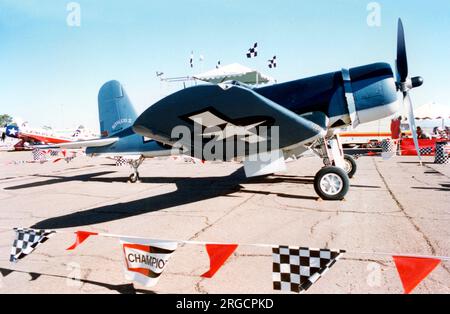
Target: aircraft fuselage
[(373, 88)]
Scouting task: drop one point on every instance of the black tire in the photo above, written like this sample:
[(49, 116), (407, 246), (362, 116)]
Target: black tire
[(352, 164), (134, 178), (332, 173)]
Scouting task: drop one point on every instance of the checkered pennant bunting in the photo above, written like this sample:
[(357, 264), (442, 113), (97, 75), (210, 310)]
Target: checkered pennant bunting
[(120, 162), (426, 151), (388, 145), (296, 269), (26, 242), (253, 52), (273, 62), (442, 156), (38, 155)]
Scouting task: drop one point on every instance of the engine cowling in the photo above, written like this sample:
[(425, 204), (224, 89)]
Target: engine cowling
[(373, 91)]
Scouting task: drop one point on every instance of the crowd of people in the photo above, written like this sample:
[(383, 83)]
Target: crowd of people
[(438, 132)]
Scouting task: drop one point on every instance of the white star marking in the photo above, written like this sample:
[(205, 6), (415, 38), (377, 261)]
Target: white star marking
[(13, 132), (232, 130), (210, 120)]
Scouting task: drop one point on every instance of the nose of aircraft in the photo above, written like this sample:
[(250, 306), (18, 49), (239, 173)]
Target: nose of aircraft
[(375, 92)]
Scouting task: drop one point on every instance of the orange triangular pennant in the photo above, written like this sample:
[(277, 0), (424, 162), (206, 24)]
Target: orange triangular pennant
[(81, 237), (218, 254), (413, 270)]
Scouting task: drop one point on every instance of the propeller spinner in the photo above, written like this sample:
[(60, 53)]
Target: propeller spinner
[(405, 84)]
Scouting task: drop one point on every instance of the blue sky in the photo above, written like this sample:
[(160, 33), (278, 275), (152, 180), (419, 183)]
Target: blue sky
[(50, 73)]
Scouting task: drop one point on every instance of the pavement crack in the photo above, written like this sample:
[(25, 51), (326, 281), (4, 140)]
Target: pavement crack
[(209, 225), (403, 210), (293, 208), (252, 255), (366, 260), (198, 288), (314, 226)]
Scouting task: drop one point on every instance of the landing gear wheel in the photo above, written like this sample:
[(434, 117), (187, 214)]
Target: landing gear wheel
[(350, 166), (331, 183), (134, 177)]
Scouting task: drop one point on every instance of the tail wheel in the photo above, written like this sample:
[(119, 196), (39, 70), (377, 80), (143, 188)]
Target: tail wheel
[(331, 184), (350, 166)]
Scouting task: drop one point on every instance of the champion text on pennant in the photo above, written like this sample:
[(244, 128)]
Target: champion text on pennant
[(145, 260)]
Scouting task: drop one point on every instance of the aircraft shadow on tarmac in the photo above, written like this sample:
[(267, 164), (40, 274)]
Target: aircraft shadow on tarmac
[(58, 179), (122, 289), (415, 162), (442, 188), (189, 190)]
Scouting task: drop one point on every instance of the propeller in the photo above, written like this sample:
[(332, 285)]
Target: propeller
[(405, 84)]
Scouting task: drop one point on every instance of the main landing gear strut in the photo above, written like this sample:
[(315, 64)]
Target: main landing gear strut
[(134, 177), (332, 182)]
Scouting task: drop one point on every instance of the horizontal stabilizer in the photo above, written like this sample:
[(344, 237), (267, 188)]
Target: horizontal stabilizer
[(81, 144)]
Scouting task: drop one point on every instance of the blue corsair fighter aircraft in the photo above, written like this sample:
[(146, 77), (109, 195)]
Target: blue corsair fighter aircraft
[(307, 113), (117, 115)]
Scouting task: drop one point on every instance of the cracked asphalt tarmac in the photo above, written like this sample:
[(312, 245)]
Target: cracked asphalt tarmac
[(393, 206)]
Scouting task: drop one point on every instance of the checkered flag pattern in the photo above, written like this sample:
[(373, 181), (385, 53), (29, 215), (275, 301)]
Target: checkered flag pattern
[(253, 52), (26, 242), (442, 153), (388, 146), (120, 162), (38, 155), (426, 151), (296, 269), (191, 60), (273, 62)]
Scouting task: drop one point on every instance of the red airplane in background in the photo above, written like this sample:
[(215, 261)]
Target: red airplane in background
[(35, 136)]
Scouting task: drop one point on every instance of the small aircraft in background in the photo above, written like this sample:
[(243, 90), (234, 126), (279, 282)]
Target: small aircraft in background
[(307, 112), (29, 136), (118, 140)]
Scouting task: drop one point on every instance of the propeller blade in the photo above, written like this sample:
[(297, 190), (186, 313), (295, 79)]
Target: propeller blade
[(412, 123), (402, 58)]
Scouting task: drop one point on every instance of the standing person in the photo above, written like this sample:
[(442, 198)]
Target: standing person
[(396, 132), (3, 136), (421, 135), (395, 128)]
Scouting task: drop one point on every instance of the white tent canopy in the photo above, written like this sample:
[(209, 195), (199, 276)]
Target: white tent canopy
[(432, 111), (234, 72)]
